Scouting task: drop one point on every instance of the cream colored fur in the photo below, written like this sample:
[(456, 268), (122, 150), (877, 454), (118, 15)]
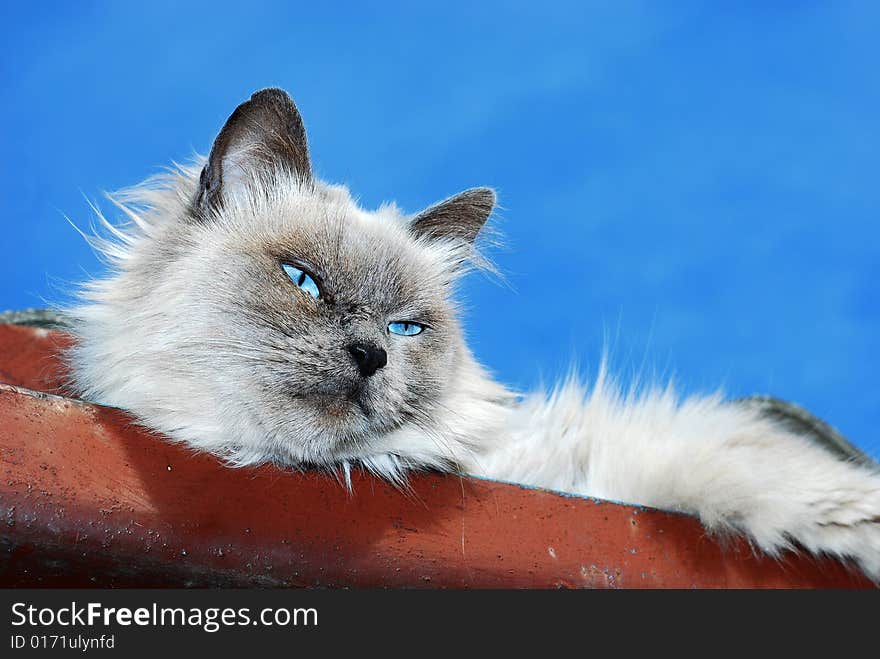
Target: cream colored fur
[(195, 333)]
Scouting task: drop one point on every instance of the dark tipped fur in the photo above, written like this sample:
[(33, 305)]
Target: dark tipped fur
[(459, 217), (268, 132)]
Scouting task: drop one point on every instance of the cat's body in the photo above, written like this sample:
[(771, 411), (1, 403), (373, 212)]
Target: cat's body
[(260, 314)]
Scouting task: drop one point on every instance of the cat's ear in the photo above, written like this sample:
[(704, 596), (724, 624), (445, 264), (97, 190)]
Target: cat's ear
[(460, 217), (262, 135)]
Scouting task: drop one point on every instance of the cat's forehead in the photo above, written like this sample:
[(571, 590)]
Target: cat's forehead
[(359, 253)]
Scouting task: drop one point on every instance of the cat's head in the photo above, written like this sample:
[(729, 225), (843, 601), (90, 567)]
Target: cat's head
[(259, 313)]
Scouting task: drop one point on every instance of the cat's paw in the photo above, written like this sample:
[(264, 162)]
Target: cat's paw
[(839, 517), (846, 524), (831, 505)]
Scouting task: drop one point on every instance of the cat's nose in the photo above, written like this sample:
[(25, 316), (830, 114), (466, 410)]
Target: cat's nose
[(369, 358)]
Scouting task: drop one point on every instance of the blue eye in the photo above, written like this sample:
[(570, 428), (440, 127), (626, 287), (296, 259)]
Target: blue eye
[(405, 328), (302, 279)]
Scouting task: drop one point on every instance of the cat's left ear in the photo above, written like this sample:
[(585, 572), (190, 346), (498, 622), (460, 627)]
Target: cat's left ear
[(263, 135), (459, 218)]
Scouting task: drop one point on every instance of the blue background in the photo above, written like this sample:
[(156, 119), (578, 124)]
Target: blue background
[(692, 185)]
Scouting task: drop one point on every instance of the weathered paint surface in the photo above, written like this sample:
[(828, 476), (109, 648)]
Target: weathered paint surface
[(89, 499)]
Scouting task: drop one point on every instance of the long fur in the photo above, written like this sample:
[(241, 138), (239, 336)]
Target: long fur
[(196, 332)]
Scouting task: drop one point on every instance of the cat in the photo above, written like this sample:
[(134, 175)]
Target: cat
[(258, 313)]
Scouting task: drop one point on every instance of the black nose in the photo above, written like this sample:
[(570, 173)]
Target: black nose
[(369, 358)]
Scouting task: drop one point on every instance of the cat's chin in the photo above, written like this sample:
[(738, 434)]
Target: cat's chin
[(337, 408), (349, 418)]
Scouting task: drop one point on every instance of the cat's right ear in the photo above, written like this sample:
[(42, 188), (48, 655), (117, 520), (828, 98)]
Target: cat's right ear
[(263, 135), (457, 218)]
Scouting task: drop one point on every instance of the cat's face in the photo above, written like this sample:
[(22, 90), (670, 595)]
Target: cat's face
[(337, 323), (308, 326)]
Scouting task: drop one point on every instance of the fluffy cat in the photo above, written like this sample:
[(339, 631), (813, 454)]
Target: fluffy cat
[(258, 313)]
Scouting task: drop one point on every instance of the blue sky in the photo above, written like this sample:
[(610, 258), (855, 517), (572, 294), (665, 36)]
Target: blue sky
[(693, 185)]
